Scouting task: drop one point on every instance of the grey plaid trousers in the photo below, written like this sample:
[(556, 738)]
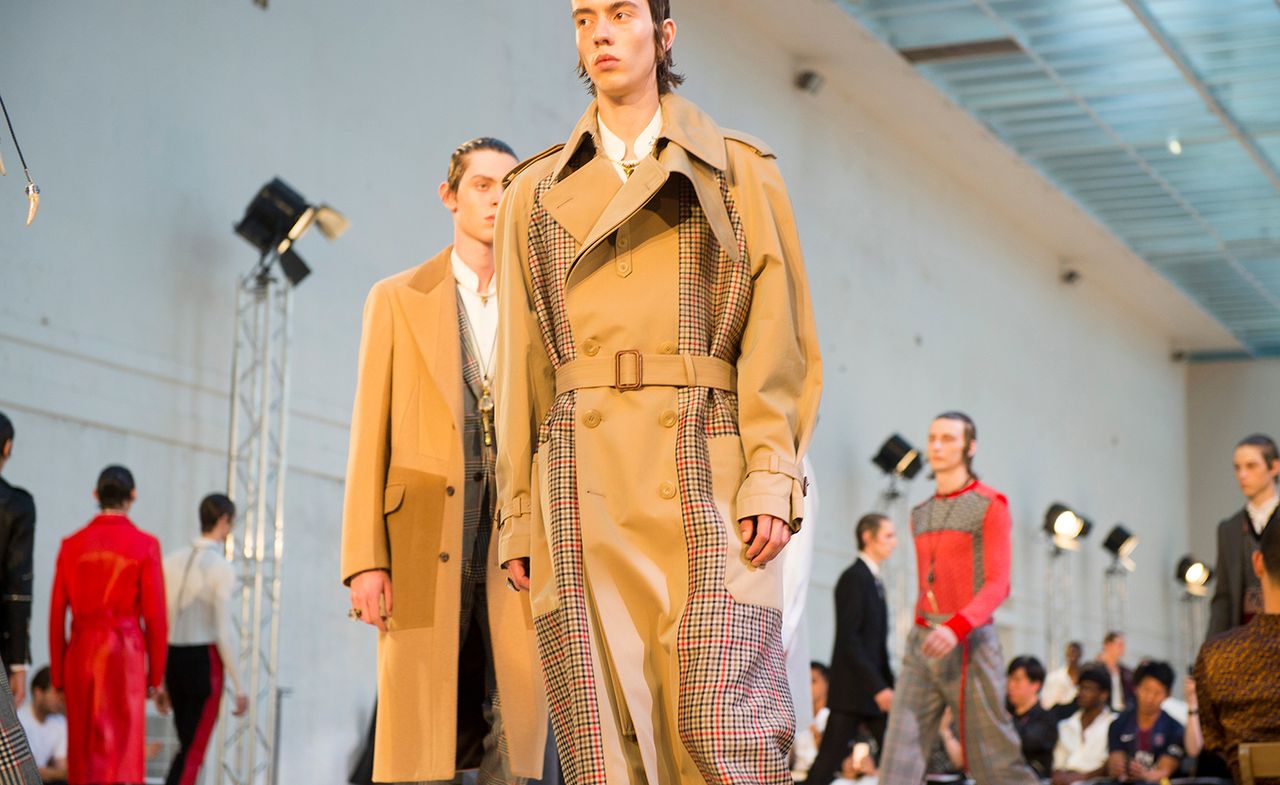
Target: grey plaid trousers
[(17, 766)]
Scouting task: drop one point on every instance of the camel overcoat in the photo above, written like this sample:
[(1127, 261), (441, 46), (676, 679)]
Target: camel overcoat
[(658, 379), (403, 513)]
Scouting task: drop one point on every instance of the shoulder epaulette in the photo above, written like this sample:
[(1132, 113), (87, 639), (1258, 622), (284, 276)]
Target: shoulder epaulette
[(525, 164), (763, 150)]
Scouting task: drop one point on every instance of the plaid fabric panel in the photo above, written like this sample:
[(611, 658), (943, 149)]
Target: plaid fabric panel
[(564, 641), (734, 710), (963, 513), (17, 766), (478, 510)]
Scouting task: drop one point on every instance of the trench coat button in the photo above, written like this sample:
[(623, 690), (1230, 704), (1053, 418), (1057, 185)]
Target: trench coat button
[(623, 242), (478, 476), (624, 268), (449, 491), (444, 557), (591, 418), (668, 419), (667, 490), (666, 347), (591, 347)]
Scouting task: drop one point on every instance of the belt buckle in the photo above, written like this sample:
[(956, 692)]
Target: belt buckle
[(617, 370)]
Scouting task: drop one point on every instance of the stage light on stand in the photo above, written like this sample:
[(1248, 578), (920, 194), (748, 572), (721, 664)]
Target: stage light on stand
[(1193, 576), (277, 218), (899, 461), (1066, 527), (1120, 543), (897, 458)]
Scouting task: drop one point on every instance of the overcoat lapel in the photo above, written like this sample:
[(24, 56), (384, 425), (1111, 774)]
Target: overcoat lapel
[(431, 308)]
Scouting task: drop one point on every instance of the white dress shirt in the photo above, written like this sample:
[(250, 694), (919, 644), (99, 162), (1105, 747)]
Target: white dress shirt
[(1082, 749), (615, 149), (482, 309), (1058, 688), (1260, 514), (198, 581), (48, 739)]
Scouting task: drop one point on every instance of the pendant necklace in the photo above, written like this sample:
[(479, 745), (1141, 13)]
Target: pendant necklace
[(485, 404), (933, 554)]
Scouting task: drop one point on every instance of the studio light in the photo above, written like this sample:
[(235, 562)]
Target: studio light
[(1121, 543), (897, 458), (1066, 526), (276, 218), (1194, 575)]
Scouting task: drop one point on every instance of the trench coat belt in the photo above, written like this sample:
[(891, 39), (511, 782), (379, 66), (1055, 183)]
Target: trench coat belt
[(630, 370)]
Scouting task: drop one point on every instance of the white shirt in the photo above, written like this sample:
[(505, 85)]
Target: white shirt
[(615, 149), (1058, 688), (198, 581), (48, 739), (1082, 750), (1260, 514), (805, 748), (482, 310)]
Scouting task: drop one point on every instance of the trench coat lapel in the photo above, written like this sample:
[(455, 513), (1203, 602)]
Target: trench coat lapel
[(431, 308), (579, 200)]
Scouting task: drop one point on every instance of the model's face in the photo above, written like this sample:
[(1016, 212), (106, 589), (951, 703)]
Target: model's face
[(1150, 693), (475, 204), (616, 45), (946, 445), (1090, 696), (1252, 472), (880, 546), (818, 685), (1021, 689)]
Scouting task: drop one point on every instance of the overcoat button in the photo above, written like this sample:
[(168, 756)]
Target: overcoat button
[(478, 476), (592, 418), (444, 557), (667, 490), (668, 419), (624, 268), (591, 347), (449, 491), (666, 347)]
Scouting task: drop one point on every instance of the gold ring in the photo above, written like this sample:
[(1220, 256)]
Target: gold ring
[(354, 613)]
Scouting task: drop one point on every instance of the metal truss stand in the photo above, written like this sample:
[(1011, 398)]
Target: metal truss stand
[(1192, 626), (1057, 597), (247, 753), (901, 600), (1116, 591)]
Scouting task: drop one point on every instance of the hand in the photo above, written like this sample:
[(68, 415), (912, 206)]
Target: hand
[(884, 699), (164, 704), (371, 595), (939, 643), (766, 536), (1138, 771), (1189, 688), (518, 573), (18, 686), (242, 705)]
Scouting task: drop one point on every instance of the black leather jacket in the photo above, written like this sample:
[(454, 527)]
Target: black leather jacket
[(17, 539)]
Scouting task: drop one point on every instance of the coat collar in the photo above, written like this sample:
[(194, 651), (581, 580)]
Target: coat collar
[(433, 272)]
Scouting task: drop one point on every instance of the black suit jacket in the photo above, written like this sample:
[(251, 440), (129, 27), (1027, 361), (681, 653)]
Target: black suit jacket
[(860, 659), (17, 538), (1228, 594)]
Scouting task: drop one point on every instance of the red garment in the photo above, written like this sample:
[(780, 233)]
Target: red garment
[(109, 575), (963, 538)]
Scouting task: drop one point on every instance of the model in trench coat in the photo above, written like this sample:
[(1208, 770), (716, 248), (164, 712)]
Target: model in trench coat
[(658, 379), (403, 513)]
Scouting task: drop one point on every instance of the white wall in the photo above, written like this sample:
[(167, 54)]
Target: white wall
[(933, 255)]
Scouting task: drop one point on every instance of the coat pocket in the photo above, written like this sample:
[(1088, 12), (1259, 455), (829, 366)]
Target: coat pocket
[(746, 583), (545, 594), (413, 505)]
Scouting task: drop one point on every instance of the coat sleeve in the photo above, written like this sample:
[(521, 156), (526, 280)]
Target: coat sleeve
[(851, 618), (154, 614), (1211, 730), (15, 594), (1220, 611), (779, 368), (58, 621), (997, 561), (524, 381), (364, 532)]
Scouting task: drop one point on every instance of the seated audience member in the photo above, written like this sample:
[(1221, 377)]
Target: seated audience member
[(807, 740), (1081, 751), (1036, 728), (1122, 680), (946, 759), (1145, 742), (1238, 672), (46, 728), (1060, 683)]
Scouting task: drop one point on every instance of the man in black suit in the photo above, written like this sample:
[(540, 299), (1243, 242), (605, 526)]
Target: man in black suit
[(17, 538), (861, 688), (1237, 598)]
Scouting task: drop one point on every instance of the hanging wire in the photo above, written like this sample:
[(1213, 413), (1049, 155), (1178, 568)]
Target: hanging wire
[(32, 190)]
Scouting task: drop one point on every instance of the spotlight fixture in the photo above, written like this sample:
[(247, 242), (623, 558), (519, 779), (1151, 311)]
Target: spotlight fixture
[(897, 458), (810, 81), (276, 218), (1174, 144), (1120, 543), (1066, 526), (1194, 575)]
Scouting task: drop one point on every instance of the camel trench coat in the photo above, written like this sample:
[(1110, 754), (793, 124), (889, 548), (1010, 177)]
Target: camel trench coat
[(658, 380), (403, 513)]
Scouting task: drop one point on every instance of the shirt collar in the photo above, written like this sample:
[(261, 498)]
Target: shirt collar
[(1260, 514), (467, 278), (205, 542), (615, 148), (871, 564)]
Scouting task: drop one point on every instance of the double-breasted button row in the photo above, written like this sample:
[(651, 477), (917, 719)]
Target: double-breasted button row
[(591, 418), (449, 491), (444, 557), (667, 419), (591, 347), (666, 347), (667, 490)]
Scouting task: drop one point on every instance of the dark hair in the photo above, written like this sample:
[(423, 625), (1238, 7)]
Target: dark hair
[(1075, 644), (814, 665), (970, 435), (42, 679), (1097, 674), (458, 161), (1265, 444), (668, 79), (1028, 665), (1111, 636), (1155, 669), (6, 431), (1269, 547), (869, 524), (212, 508), (115, 486)]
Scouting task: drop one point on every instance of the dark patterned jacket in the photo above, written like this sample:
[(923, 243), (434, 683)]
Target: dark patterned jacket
[(17, 538)]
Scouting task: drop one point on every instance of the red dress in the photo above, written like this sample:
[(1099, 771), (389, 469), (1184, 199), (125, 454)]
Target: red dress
[(109, 575)]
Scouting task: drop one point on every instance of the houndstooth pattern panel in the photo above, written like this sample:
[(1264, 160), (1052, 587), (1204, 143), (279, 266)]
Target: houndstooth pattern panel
[(17, 766)]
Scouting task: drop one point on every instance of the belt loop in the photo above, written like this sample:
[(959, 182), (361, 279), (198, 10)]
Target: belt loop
[(690, 370)]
